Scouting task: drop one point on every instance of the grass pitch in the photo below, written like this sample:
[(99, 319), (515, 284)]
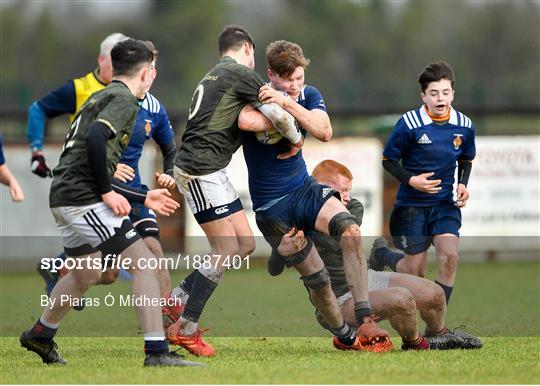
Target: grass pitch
[(264, 332)]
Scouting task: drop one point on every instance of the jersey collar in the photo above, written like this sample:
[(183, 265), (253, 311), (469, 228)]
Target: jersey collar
[(427, 120), (96, 76)]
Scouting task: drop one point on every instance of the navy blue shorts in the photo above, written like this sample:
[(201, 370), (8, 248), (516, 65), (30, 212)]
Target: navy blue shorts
[(299, 209), (413, 227)]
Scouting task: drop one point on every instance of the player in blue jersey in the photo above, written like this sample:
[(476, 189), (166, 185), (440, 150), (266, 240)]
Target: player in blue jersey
[(152, 122), (430, 142), (6, 178), (285, 196)]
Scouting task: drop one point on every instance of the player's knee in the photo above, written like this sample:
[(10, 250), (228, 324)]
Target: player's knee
[(416, 269), (448, 262), (343, 224), (108, 277), (86, 279), (403, 300), (246, 245), (317, 281)]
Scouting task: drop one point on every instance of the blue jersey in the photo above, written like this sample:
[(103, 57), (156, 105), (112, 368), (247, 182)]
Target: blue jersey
[(270, 178), (152, 122), (425, 146), (2, 159)]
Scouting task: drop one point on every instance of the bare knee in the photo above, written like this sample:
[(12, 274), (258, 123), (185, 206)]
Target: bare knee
[(108, 277), (350, 236), (87, 279), (448, 261), (403, 300), (246, 246)]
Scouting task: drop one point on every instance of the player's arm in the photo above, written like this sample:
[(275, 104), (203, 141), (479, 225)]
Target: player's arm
[(57, 102), (314, 121), (8, 179), (394, 149), (251, 119), (164, 137), (247, 88), (465, 167), (282, 121)]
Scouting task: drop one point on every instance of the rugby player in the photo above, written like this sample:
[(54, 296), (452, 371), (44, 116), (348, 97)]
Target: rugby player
[(284, 195), (430, 142), (92, 217), (6, 178), (208, 143), (393, 296), (152, 122)]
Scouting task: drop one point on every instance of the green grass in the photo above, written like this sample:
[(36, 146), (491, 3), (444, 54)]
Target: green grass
[(264, 332), (277, 360)]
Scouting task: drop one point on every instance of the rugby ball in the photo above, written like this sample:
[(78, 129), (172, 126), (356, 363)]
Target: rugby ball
[(269, 137)]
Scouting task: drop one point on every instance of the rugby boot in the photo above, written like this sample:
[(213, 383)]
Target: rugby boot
[(171, 313), (373, 261), (445, 340), (193, 343), (45, 348), (420, 344), (168, 359)]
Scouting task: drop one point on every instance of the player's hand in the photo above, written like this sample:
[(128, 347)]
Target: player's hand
[(462, 196), (373, 337), (160, 201), (16, 192), (165, 181), (124, 173), (269, 95), (423, 184), (295, 148), (118, 203), (39, 166), (292, 242)]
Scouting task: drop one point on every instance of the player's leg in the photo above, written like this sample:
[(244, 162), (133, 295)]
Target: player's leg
[(333, 219), (428, 296), (445, 225), (446, 249), (218, 210)]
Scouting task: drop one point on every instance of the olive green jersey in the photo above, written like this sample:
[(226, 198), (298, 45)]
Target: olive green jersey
[(73, 181), (331, 254), (212, 135)]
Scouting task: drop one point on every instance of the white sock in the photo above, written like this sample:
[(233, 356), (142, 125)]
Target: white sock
[(178, 292), (47, 324), (188, 327)]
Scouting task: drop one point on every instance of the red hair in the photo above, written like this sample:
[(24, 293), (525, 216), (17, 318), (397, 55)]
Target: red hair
[(327, 169)]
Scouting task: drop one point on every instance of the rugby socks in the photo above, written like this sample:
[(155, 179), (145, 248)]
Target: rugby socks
[(361, 310), (155, 344), (345, 334), (43, 329), (389, 257), (185, 287), (447, 291), (202, 289)]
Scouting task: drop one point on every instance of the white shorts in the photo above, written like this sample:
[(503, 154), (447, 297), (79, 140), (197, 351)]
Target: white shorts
[(376, 281), (210, 197), (89, 228)]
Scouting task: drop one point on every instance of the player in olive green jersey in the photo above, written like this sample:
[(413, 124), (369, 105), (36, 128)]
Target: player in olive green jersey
[(92, 217), (211, 138)]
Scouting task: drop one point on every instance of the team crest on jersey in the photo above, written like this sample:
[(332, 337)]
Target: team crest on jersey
[(147, 127), (124, 140), (457, 141)]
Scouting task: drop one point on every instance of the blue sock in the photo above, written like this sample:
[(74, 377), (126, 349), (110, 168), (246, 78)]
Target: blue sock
[(156, 347), (447, 291), (389, 257), (41, 330)]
